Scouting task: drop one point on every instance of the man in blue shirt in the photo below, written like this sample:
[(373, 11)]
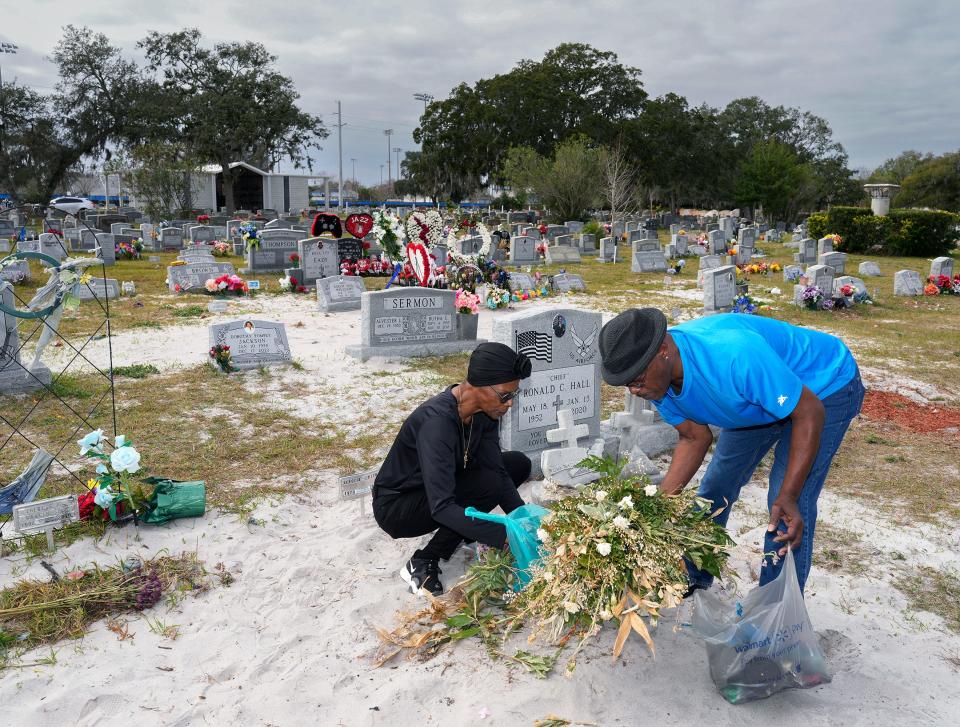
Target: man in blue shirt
[(766, 384)]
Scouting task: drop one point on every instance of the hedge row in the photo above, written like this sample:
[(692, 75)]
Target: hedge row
[(908, 233)]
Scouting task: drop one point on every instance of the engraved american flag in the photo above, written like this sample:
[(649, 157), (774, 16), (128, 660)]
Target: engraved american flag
[(535, 345)]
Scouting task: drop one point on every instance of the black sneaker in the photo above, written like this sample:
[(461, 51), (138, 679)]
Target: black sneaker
[(421, 573)]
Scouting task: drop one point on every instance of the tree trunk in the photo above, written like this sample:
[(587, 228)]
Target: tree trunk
[(228, 188)]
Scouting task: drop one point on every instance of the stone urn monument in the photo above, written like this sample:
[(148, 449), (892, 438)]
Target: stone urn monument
[(880, 196)]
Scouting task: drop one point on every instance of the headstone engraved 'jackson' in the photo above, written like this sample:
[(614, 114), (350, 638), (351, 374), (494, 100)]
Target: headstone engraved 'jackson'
[(252, 343)]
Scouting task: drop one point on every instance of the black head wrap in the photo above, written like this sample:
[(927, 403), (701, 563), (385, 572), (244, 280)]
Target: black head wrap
[(495, 363)]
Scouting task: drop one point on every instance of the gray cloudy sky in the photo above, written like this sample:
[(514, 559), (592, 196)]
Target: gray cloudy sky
[(884, 73)]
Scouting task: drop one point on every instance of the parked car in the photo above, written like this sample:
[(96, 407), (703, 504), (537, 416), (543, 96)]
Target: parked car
[(71, 205)]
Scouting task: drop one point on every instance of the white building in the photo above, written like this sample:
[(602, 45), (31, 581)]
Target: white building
[(254, 190)]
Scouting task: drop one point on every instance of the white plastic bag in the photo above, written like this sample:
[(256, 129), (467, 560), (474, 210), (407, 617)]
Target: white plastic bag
[(763, 646)]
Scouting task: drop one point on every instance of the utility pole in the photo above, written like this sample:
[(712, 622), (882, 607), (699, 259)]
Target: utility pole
[(388, 133), (340, 126), (354, 162), (397, 150), (12, 49)]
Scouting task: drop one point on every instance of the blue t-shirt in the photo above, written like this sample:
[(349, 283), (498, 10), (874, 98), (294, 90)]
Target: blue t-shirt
[(745, 370)]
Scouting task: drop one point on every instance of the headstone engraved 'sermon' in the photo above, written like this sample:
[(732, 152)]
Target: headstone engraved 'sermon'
[(409, 322)]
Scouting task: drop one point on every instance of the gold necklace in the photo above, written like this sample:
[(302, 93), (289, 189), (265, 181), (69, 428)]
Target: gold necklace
[(463, 435), (465, 438)]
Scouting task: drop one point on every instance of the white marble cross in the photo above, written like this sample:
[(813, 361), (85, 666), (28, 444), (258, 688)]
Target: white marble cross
[(566, 431), (638, 412)]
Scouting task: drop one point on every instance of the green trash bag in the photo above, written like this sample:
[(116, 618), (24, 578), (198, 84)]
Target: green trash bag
[(172, 499), (522, 525)]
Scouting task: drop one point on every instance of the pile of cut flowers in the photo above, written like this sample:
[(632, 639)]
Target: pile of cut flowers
[(613, 553)]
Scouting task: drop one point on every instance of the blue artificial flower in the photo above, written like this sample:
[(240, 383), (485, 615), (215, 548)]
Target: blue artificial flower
[(104, 497), (92, 442), (120, 441), (102, 469), (125, 459)]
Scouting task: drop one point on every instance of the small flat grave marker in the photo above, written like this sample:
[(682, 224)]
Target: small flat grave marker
[(358, 486), (45, 515)]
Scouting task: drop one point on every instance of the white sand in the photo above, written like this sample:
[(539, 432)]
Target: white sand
[(288, 642)]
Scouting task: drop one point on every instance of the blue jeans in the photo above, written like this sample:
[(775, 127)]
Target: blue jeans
[(739, 451)]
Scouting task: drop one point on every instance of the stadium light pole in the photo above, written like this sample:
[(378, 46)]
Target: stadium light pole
[(388, 133), (425, 97)]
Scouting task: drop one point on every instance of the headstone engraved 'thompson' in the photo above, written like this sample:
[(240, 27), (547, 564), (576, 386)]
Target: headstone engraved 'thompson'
[(273, 251)]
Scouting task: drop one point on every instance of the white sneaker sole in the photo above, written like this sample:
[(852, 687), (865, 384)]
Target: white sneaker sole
[(408, 579)]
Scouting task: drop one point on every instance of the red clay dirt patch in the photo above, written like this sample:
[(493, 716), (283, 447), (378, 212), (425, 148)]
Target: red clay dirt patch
[(885, 406)]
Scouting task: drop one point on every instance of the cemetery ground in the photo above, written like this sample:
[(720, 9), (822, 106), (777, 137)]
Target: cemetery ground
[(289, 640)]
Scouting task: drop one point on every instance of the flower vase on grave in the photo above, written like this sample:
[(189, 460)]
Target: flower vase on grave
[(467, 326)]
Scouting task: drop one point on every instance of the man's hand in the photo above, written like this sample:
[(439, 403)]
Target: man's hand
[(785, 508), (695, 440)]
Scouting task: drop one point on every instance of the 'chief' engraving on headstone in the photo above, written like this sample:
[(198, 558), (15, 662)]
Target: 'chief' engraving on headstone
[(562, 347), (253, 343)]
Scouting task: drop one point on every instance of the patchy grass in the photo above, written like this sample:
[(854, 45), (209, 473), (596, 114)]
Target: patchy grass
[(839, 550), (913, 476), (934, 590), (442, 371), (35, 546), (136, 371), (195, 424), (188, 311)]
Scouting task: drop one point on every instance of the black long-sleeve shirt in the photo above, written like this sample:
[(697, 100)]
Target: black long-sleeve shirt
[(428, 453)]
